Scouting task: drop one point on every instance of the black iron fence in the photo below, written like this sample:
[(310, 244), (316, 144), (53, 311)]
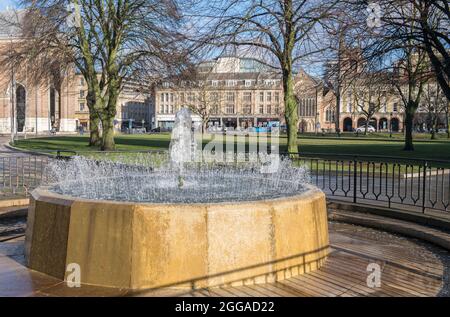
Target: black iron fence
[(393, 182), (415, 185)]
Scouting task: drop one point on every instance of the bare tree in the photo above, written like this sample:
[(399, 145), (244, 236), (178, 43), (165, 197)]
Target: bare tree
[(435, 104), (108, 41), (431, 25), (284, 32), (370, 94)]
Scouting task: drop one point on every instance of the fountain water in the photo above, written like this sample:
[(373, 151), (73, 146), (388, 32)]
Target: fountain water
[(150, 220)]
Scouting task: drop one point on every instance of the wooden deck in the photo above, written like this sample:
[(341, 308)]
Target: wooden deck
[(408, 268)]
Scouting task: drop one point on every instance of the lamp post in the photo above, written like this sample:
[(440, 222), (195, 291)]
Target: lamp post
[(390, 124)]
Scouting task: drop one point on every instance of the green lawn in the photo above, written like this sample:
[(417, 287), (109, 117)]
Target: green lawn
[(350, 145)]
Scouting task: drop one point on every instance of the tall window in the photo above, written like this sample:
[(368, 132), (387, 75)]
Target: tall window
[(261, 96), (307, 107), (395, 107), (81, 106), (329, 114), (277, 97), (269, 109), (349, 102), (230, 96), (269, 96), (81, 93)]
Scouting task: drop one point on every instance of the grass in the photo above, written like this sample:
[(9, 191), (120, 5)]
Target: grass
[(328, 145)]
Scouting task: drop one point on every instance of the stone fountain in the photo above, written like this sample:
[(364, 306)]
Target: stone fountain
[(149, 221)]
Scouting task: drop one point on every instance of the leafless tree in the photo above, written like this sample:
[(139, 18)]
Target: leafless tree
[(107, 41), (370, 93), (435, 104), (282, 32)]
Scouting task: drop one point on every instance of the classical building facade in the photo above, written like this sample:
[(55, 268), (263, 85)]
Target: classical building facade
[(231, 92)]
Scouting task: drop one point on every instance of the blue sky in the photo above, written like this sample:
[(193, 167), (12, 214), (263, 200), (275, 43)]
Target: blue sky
[(5, 3)]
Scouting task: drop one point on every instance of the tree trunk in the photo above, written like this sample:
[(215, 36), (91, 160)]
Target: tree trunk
[(433, 126), (366, 126), (447, 117), (94, 129), (108, 143), (337, 119), (409, 116), (291, 114), (108, 116)]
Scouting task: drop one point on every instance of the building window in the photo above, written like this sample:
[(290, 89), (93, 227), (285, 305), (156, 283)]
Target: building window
[(81, 81), (215, 83), (247, 109), (165, 84), (190, 97), (81, 93), (247, 97), (269, 96), (229, 108), (231, 83), (162, 97), (277, 97), (268, 109), (329, 115), (248, 83), (230, 96), (82, 106), (261, 109), (277, 109), (395, 107), (261, 97), (307, 107), (349, 102), (171, 97)]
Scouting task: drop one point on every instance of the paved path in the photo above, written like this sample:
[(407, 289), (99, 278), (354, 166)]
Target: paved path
[(408, 268)]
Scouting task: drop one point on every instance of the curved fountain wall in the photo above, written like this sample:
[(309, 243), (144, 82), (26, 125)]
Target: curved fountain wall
[(150, 245)]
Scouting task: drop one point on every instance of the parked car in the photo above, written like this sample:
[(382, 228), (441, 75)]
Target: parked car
[(363, 129), (442, 130)]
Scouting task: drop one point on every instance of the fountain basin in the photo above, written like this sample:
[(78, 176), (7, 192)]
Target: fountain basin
[(151, 245)]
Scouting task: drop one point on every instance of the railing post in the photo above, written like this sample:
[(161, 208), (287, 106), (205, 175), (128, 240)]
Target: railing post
[(355, 174), (425, 166)]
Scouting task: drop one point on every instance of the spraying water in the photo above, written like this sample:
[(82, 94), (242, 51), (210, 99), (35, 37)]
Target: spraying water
[(156, 177)]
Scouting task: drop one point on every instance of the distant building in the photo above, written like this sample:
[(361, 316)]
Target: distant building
[(42, 105)]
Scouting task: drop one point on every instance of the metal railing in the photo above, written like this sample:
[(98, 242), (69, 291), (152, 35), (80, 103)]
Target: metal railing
[(19, 174), (393, 182)]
